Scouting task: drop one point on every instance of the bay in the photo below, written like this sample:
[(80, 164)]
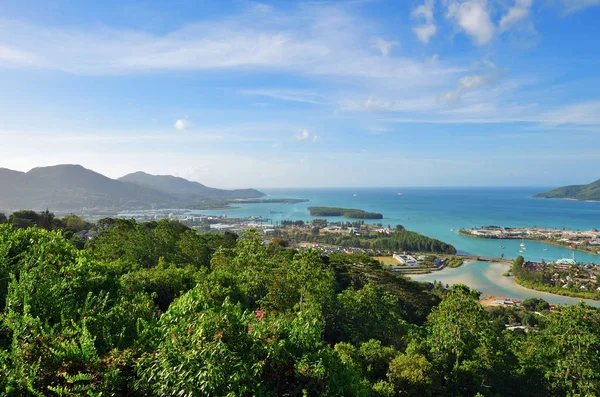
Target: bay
[(435, 211)]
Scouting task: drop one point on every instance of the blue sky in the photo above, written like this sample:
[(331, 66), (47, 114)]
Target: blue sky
[(321, 93)]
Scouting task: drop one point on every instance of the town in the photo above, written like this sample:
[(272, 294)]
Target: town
[(320, 234), (588, 241), (563, 277)]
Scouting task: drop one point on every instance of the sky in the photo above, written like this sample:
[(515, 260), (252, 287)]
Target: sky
[(238, 93)]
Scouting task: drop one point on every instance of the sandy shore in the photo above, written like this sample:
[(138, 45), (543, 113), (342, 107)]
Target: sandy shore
[(487, 277)]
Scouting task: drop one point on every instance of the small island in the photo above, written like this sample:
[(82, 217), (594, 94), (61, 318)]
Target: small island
[(345, 212), (589, 192)]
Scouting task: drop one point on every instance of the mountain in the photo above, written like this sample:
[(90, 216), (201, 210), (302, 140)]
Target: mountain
[(185, 189), (72, 187), (590, 191), (75, 188)]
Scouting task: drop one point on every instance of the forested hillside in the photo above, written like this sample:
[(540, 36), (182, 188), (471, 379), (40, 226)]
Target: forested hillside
[(591, 191), (156, 309)]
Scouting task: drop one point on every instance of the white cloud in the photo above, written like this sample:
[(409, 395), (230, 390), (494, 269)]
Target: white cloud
[(470, 83), (378, 130), (587, 113), (288, 95), (13, 56), (181, 124), (425, 32), (312, 39), (316, 138), (384, 46), (376, 104), (424, 14), (516, 14), (302, 134), (571, 6), (473, 18)]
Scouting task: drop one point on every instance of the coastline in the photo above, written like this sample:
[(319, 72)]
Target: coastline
[(567, 198), (488, 279), (567, 293), (465, 233)]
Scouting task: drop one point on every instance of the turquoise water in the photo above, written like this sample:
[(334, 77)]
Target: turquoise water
[(435, 211), (487, 277)]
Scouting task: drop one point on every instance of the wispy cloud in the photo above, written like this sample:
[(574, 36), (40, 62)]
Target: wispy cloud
[(10, 56), (572, 6), (516, 14), (313, 39), (472, 82), (376, 104), (384, 46), (586, 114), (288, 95), (427, 28)]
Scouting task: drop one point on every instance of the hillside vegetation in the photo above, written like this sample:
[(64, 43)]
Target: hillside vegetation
[(590, 191), (397, 240), (154, 309)]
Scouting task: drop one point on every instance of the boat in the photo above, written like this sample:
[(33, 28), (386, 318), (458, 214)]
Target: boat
[(502, 247), (451, 230), (399, 194), (520, 250), (355, 195)]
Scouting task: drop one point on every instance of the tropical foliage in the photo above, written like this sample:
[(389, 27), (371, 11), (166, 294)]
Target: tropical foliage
[(155, 309)]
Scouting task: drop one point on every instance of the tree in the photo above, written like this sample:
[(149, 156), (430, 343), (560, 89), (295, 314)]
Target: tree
[(301, 284), (536, 304), (223, 350), (24, 219), (462, 342), (370, 312), (571, 346), (412, 374), (3, 218)]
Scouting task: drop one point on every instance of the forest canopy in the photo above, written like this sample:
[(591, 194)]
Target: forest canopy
[(157, 309)]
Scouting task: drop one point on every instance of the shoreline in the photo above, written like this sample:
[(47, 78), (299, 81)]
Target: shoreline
[(567, 198), (550, 242), (497, 285), (567, 293), (466, 260)]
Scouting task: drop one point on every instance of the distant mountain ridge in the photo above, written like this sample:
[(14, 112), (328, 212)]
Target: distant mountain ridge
[(69, 187), (182, 187), (589, 192)]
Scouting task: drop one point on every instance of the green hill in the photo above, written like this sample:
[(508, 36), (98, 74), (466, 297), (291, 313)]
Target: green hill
[(351, 213), (590, 191)]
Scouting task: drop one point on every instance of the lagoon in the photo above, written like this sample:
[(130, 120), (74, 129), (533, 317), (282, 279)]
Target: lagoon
[(487, 277)]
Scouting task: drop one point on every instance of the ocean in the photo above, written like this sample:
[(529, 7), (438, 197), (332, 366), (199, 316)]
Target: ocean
[(440, 212)]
